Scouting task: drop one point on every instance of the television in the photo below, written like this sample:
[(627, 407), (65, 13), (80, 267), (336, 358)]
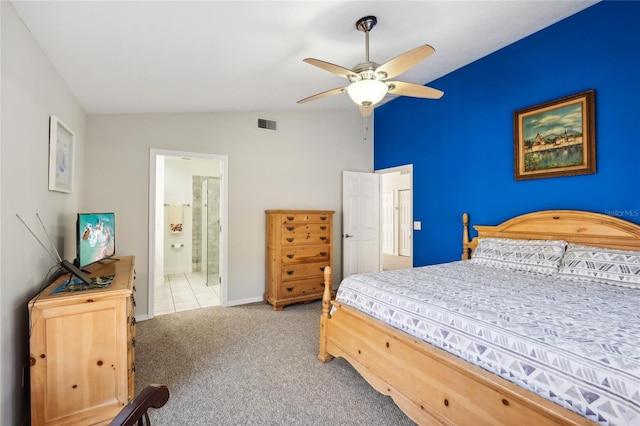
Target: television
[(95, 237)]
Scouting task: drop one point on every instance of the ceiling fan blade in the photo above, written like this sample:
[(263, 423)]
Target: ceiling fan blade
[(365, 111), (414, 90), (336, 69), (403, 62), (321, 95)]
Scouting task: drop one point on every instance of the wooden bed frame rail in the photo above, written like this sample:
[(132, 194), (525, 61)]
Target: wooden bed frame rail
[(434, 387)]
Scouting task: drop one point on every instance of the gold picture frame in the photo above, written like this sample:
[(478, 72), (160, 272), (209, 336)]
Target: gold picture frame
[(61, 156), (556, 138)]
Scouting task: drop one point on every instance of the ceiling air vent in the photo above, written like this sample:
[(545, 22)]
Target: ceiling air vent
[(263, 123)]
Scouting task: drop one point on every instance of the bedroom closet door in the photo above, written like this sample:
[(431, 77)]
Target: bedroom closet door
[(360, 222), (388, 223), (405, 231)]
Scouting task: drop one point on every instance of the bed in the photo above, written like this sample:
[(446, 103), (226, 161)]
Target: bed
[(422, 368)]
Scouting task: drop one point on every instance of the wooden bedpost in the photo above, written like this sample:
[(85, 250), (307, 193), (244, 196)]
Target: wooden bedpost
[(465, 236), (323, 355)]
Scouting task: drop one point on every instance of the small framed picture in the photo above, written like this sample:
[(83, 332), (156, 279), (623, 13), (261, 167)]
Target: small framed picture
[(556, 138), (61, 156)]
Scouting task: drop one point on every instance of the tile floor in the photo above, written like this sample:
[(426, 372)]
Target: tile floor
[(184, 292)]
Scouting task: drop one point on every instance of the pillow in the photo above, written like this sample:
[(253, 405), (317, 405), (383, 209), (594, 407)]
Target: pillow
[(540, 256), (597, 264)]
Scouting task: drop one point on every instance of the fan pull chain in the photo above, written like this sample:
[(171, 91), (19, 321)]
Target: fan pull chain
[(366, 129)]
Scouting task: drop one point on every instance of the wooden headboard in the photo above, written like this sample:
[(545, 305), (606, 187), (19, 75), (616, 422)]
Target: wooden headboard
[(574, 226)]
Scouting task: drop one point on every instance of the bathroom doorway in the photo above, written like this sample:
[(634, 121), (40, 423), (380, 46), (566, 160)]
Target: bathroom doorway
[(187, 236)]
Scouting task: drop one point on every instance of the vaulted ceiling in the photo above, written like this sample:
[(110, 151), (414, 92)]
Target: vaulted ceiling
[(193, 56)]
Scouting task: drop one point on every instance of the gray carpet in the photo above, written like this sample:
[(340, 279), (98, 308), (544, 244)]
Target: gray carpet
[(390, 261), (250, 365)]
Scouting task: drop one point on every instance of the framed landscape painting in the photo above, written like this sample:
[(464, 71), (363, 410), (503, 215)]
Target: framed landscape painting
[(556, 138)]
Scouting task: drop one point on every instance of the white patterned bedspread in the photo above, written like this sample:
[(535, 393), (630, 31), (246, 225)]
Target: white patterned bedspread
[(577, 344)]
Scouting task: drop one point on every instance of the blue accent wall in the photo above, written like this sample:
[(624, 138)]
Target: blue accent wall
[(461, 146)]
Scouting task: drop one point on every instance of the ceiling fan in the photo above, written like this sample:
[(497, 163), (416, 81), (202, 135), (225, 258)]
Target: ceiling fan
[(369, 81)]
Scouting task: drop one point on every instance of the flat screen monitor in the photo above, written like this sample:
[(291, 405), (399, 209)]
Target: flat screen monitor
[(96, 237)]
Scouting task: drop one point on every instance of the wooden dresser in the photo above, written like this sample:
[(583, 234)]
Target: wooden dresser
[(82, 348), (299, 247)]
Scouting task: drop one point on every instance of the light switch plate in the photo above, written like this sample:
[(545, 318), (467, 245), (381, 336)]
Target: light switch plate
[(417, 225)]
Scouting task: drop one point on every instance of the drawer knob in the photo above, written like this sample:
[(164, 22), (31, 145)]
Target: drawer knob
[(290, 256), (323, 238), (289, 217), (290, 272), (323, 253), (290, 228), (323, 228), (323, 218), (289, 288), (322, 268), (290, 240)]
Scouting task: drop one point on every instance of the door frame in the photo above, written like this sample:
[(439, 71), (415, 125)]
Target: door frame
[(407, 168), (154, 155)]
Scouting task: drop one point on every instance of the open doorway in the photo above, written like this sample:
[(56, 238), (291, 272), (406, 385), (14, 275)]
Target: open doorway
[(187, 233), (396, 217)]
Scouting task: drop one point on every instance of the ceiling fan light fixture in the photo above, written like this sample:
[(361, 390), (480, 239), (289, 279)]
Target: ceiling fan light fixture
[(367, 92), (368, 83)]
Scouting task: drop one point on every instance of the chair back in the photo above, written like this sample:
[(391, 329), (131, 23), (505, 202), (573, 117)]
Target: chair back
[(135, 412)]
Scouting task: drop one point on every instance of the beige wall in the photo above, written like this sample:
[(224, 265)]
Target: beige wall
[(299, 166), (31, 91)]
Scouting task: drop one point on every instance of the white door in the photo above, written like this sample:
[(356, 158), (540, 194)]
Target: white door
[(388, 230), (404, 216), (360, 222)]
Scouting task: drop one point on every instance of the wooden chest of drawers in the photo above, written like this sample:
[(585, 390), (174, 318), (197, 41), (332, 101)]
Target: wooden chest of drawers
[(299, 247), (82, 348)]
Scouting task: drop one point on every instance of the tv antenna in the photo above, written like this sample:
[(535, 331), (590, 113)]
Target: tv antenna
[(63, 263)]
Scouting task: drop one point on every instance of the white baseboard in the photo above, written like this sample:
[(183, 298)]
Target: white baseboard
[(243, 301)]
